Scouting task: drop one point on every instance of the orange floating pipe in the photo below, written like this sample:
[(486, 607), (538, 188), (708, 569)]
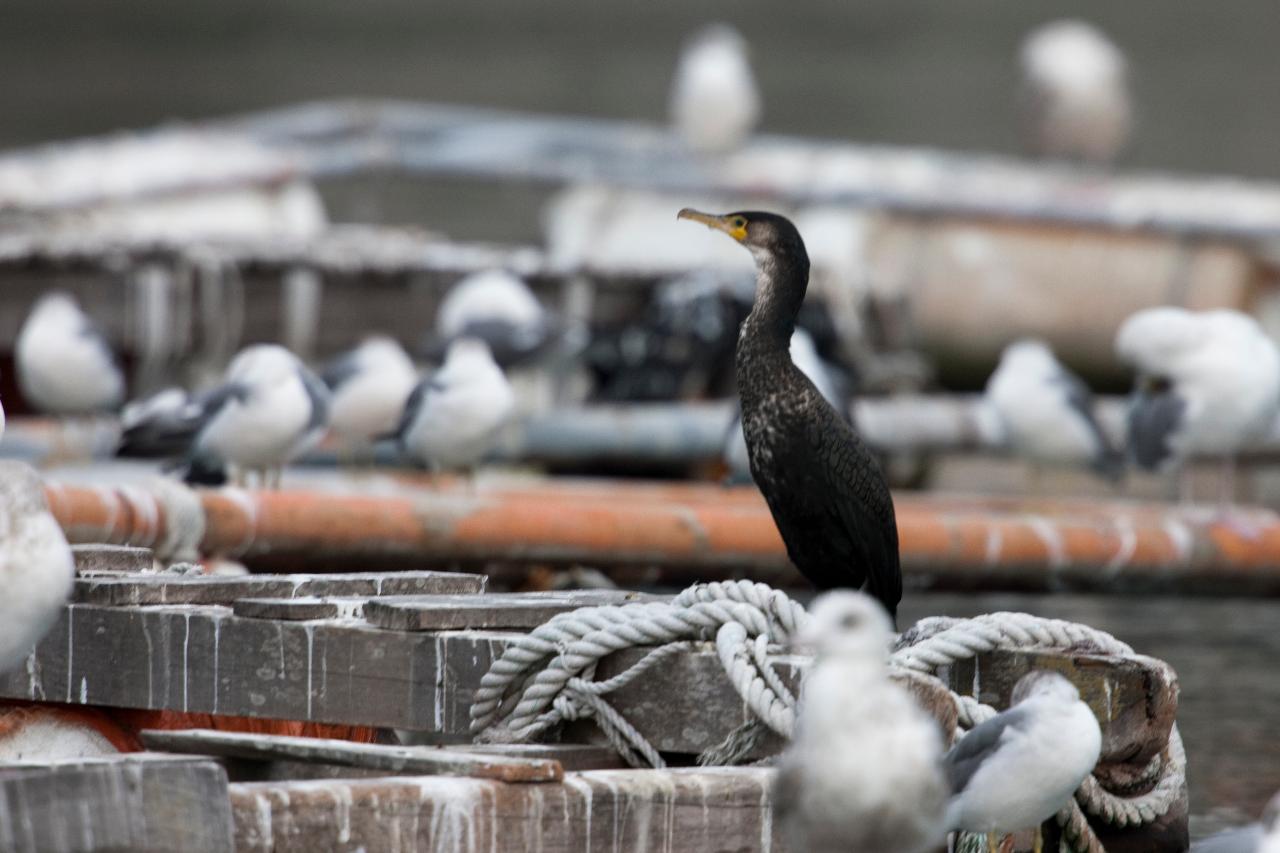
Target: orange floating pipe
[(691, 531)]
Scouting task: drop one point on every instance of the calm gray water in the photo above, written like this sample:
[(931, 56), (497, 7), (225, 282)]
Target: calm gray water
[(935, 72)]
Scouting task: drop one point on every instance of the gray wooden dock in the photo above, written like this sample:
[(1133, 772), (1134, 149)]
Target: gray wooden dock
[(408, 652)]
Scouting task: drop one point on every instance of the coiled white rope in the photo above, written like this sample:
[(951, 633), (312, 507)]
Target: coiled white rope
[(546, 677), (543, 678)]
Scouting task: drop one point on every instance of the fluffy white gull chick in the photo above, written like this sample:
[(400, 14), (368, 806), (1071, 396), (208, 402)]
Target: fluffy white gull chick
[(454, 416), (1075, 93), (1047, 411), (1020, 767), (863, 772), (500, 309), (269, 409), (65, 366), (714, 102), (369, 386), (1208, 385), (36, 567), (805, 356)]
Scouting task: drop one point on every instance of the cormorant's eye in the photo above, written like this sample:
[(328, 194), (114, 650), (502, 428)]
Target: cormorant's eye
[(739, 222)]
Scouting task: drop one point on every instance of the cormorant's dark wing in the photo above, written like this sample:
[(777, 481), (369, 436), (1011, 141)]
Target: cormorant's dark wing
[(860, 496), (1108, 461), (1154, 416), (976, 747)]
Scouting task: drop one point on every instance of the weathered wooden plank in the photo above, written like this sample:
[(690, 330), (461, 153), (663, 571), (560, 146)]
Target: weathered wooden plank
[(129, 802), (301, 609), (571, 756), (123, 559), (429, 761), (206, 660), (162, 588), (679, 810), (500, 610)]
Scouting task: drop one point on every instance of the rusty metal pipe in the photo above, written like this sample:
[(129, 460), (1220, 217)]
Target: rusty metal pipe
[(676, 533)]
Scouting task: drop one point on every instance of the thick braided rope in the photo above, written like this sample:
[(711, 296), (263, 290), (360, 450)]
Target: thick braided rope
[(517, 697), (542, 679)]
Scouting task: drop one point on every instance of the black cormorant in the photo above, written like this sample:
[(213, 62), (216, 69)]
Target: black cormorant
[(826, 491)]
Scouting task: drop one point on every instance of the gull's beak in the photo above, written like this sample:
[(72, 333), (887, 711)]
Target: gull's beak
[(719, 223)]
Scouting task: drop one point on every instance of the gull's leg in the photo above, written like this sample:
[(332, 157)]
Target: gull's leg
[(991, 842), (1038, 847)]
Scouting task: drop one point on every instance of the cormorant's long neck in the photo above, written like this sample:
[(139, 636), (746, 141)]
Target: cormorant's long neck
[(782, 277)]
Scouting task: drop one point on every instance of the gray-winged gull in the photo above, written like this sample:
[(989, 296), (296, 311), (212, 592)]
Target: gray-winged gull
[(369, 386), (1047, 412), (36, 567), (1017, 769), (863, 772), (454, 416), (497, 307), (64, 364), (1208, 385), (269, 409)]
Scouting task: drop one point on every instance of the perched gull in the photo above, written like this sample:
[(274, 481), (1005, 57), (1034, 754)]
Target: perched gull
[(1047, 411), (65, 366), (805, 355), (36, 568), (1075, 93), (863, 770), (370, 385), (269, 409), (499, 308), (1020, 767), (453, 417), (1208, 384), (714, 102)]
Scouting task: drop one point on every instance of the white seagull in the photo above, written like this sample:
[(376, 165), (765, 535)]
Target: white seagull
[(36, 567), (369, 387), (1017, 769), (497, 307), (454, 416), (714, 102), (1075, 93), (863, 771), (65, 366), (1047, 411), (269, 410), (1208, 384)]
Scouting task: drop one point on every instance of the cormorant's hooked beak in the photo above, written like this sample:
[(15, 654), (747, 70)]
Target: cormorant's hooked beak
[(734, 226)]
